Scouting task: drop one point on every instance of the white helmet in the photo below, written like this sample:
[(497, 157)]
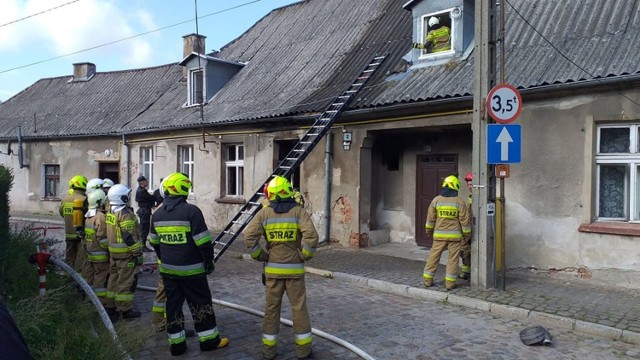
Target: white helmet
[(433, 21), (94, 184), (118, 195), (96, 199), (107, 183)]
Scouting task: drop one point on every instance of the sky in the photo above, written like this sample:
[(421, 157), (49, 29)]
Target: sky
[(43, 38)]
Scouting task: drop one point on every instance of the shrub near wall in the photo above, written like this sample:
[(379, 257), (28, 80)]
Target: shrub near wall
[(6, 183)]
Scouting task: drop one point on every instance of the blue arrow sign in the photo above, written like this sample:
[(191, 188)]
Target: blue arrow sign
[(504, 143)]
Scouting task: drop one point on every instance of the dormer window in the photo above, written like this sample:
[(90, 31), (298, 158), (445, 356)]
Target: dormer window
[(437, 35), (196, 87)]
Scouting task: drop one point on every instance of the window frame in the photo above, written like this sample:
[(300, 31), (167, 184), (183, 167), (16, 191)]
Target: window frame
[(238, 165), (147, 162), (631, 162), (186, 162), (424, 29), (193, 86), (46, 177)]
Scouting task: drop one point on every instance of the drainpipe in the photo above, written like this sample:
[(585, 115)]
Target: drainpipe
[(20, 155), (327, 190), (128, 161)]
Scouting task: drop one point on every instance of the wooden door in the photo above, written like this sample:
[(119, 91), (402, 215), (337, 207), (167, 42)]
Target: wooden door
[(431, 171)]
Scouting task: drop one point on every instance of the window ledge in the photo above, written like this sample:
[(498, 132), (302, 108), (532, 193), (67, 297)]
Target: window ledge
[(231, 200), (611, 228)]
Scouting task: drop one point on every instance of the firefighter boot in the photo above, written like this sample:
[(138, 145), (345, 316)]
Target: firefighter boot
[(464, 275), (450, 285), (268, 352), (428, 282), (178, 349), (213, 344), (113, 314)]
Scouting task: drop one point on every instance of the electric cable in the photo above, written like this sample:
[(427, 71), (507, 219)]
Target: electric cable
[(39, 13)]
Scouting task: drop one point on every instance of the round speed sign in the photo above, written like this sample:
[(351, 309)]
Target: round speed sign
[(504, 103)]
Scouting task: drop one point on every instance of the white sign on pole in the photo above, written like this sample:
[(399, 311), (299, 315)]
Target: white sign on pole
[(504, 103)]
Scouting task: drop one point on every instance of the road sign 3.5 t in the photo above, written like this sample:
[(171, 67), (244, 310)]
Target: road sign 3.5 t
[(504, 103)]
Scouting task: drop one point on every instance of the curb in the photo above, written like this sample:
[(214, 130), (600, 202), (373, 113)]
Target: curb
[(35, 220), (499, 310)]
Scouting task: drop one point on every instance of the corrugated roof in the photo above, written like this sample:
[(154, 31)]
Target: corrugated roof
[(299, 57)]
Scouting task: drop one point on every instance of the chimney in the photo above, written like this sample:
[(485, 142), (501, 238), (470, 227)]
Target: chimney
[(192, 43), (83, 71)]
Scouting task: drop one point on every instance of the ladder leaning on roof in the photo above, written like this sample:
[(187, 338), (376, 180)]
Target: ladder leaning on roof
[(287, 166)]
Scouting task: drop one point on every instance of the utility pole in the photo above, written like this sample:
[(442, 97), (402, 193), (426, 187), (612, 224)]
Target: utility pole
[(484, 58)]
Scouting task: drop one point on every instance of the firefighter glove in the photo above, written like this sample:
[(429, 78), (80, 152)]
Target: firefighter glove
[(208, 266), (139, 260), (416, 45)]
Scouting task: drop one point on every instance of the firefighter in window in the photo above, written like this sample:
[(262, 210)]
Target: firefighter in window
[(438, 38)]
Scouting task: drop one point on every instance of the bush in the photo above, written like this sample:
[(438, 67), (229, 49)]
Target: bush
[(62, 325)]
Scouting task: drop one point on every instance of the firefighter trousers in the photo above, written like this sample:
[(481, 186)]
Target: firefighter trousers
[(195, 290), (453, 247), (465, 255), (75, 255), (123, 279), (157, 311), (296, 293), (97, 275)]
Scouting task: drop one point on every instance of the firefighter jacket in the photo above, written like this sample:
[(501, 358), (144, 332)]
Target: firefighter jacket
[(440, 38), (66, 211), (291, 239), (182, 241), (123, 233), (448, 218), (95, 236)]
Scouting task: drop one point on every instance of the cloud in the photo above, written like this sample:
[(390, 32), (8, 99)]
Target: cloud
[(77, 26)]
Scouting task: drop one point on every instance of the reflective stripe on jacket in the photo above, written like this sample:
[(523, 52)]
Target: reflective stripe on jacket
[(448, 218), (96, 242), (291, 240), (122, 227), (440, 38)]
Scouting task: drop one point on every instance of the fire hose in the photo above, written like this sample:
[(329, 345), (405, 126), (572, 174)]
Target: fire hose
[(287, 322), (42, 258)]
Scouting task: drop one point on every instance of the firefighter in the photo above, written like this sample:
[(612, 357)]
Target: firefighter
[(94, 184), (465, 246), (184, 246), (106, 185), (291, 240), (74, 254), (438, 38), (146, 201), (97, 245), (125, 251), (449, 222)]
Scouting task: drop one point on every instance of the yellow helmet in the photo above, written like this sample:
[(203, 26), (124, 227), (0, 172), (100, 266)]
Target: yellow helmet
[(451, 182), (177, 184), (279, 188), (78, 182)]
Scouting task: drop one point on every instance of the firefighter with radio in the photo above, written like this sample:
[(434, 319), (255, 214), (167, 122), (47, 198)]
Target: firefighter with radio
[(449, 222), (291, 240), (125, 251), (96, 244), (72, 209), (184, 246)]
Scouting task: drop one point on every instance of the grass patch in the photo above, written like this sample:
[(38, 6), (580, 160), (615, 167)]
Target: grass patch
[(62, 325)]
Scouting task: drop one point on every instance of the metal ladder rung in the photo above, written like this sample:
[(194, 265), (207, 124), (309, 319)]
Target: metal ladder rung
[(332, 111), (352, 91), (337, 104), (285, 167), (228, 232), (299, 150), (344, 96), (374, 64), (368, 71), (291, 159), (357, 84)]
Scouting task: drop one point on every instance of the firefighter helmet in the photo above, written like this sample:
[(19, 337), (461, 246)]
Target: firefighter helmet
[(107, 183), (451, 182), (94, 184), (468, 177), (96, 199), (177, 184), (433, 21), (118, 195), (279, 188), (78, 182)]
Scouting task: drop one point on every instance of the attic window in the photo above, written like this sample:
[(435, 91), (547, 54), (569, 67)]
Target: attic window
[(437, 31), (196, 87)]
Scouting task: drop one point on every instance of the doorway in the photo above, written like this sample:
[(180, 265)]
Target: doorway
[(431, 171), (109, 170)]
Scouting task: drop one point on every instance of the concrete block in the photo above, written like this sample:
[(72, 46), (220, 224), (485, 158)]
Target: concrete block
[(536, 317), (509, 312), (468, 302), (388, 287), (597, 329), (631, 337), (350, 278), (320, 272), (424, 294)]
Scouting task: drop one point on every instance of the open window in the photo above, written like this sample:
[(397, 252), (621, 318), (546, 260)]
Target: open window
[(437, 34), (196, 87)]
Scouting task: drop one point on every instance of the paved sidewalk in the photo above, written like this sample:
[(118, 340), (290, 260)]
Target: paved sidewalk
[(578, 305)]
